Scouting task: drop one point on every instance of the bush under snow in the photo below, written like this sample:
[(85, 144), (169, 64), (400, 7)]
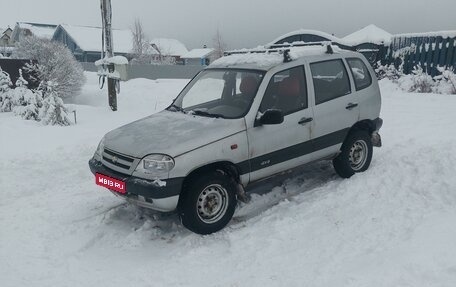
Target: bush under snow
[(418, 82), (54, 63)]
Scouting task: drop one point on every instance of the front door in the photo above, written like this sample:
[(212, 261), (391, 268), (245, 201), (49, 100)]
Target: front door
[(274, 148)]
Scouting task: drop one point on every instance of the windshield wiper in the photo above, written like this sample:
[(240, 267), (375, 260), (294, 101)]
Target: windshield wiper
[(206, 114), (176, 108)]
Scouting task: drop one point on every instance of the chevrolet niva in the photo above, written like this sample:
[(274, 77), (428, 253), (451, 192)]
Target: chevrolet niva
[(247, 117)]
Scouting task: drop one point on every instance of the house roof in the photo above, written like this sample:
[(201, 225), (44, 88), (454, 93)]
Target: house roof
[(197, 53), (168, 47), (310, 32), (369, 34), (38, 29), (89, 39)]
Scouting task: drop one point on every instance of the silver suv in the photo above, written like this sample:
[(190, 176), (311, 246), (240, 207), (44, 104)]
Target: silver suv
[(247, 117)]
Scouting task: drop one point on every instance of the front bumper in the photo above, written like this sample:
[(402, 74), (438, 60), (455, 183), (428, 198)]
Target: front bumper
[(162, 196)]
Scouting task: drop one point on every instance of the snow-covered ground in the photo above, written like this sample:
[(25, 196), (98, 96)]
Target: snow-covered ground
[(393, 225)]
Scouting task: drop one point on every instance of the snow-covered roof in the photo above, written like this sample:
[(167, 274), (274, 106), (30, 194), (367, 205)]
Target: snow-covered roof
[(369, 34), (89, 38), (39, 30), (169, 47), (197, 53), (444, 34), (310, 32)]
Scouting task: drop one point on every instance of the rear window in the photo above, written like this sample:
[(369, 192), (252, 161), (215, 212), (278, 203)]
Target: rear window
[(330, 79), (360, 73)]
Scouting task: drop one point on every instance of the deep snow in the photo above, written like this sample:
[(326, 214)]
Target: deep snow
[(393, 225)]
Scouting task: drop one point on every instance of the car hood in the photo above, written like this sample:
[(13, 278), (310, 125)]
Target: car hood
[(171, 133)]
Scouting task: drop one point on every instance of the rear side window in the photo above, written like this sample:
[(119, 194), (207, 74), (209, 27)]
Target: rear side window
[(360, 73), (330, 79)]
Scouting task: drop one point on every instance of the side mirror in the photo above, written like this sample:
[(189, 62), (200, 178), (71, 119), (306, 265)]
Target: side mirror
[(270, 117)]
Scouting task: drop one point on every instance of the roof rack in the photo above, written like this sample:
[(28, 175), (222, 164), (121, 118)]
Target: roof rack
[(282, 49)]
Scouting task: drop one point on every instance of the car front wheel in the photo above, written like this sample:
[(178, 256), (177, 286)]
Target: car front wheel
[(208, 203)]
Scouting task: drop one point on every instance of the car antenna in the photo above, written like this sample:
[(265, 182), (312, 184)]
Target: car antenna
[(286, 56)]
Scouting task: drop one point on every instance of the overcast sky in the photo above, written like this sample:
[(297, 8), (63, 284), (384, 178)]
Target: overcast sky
[(242, 23)]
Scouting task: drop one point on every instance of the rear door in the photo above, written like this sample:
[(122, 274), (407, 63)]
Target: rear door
[(336, 107)]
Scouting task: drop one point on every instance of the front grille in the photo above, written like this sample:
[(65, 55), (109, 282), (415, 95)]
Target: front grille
[(115, 159)]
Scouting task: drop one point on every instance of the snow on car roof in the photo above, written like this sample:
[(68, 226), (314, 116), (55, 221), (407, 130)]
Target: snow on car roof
[(266, 60), (369, 34)]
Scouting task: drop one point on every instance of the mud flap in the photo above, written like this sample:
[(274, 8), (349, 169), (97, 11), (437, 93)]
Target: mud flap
[(376, 139)]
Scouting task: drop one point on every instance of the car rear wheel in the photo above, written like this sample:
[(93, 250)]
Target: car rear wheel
[(208, 203), (355, 156)]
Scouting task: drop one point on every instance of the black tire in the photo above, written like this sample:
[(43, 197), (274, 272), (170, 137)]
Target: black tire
[(349, 161), (206, 194)]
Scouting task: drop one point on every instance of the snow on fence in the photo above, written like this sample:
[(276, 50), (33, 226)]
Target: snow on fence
[(429, 51), (154, 72)]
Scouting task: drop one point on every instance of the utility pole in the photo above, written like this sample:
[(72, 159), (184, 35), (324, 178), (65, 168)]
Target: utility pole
[(106, 15)]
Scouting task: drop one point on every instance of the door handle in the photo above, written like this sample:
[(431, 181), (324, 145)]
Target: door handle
[(304, 121), (351, 106)]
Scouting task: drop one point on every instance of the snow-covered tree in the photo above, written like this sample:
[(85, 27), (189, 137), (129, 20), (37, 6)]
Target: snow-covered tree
[(6, 101), (141, 46), (20, 90), (31, 108), (26, 102), (55, 63), (53, 111)]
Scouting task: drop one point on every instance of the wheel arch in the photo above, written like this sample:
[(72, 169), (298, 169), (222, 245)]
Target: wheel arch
[(226, 167), (366, 125)]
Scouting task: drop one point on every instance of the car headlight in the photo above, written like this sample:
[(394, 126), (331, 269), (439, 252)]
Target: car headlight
[(156, 164), (100, 148)]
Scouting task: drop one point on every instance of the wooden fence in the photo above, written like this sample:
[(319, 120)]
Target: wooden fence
[(429, 52)]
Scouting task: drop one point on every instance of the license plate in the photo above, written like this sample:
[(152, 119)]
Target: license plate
[(110, 183)]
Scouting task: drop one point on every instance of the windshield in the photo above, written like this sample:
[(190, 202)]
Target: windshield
[(225, 93)]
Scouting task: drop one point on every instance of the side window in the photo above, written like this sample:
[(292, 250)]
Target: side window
[(360, 73), (286, 91), (330, 80)]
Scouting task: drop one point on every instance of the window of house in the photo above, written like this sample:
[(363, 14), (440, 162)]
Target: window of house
[(360, 73), (330, 80), (286, 91)]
